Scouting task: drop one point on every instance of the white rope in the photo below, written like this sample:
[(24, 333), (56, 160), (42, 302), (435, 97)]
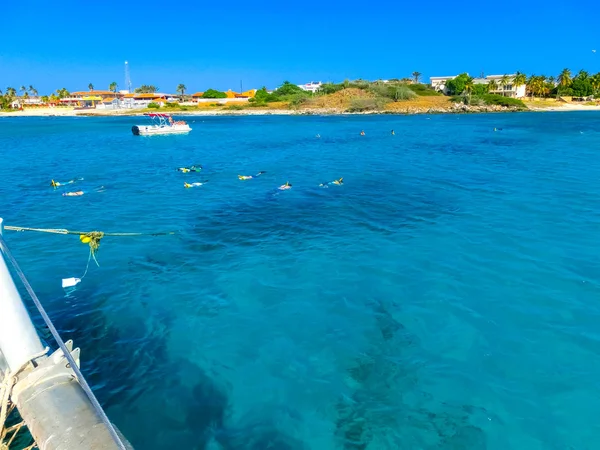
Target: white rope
[(84, 385)]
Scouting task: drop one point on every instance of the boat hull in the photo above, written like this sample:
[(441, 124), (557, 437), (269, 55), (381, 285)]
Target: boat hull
[(150, 130)]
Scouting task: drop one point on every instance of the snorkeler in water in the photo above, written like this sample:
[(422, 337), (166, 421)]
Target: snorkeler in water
[(362, 133), (56, 184), (80, 193), (197, 184), (338, 182), (194, 168), (249, 177), (285, 186)]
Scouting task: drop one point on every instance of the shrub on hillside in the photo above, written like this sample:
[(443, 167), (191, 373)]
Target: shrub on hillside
[(366, 104), (493, 99), (235, 107), (393, 92), (423, 90), (330, 88), (153, 105)]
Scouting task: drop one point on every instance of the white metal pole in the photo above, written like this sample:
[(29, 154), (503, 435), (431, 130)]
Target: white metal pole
[(19, 340)]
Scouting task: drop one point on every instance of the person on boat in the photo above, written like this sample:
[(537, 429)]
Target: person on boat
[(56, 184), (170, 120), (338, 182), (194, 168), (362, 133), (249, 177), (191, 185), (285, 186)]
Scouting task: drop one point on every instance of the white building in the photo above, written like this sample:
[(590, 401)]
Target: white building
[(507, 90), (439, 83), (312, 86)]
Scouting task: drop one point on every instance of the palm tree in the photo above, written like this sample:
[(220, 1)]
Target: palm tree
[(45, 98), (91, 87), (416, 76), (468, 89), (530, 84), (112, 87), (504, 81), (62, 93), (551, 80), (542, 89), (564, 78), (582, 75), (492, 86), (520, 79), (11, 92), (33, 91), (595, 79), (181, 89), (23, 89)]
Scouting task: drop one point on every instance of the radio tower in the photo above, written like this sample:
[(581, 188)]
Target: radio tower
[(127, 78)]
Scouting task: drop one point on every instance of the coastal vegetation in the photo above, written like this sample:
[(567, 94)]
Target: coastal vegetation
[(398, 94), (146, 89)]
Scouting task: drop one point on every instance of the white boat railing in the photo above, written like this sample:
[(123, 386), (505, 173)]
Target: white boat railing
[(49, 391)]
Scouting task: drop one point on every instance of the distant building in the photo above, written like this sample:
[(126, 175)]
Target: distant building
[(507, 90), (142, 100), (312, 86), (439, 83)]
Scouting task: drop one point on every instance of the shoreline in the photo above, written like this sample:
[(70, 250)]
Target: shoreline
[(454, 109)]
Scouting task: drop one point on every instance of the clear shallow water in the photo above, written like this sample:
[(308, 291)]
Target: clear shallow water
[(446, 297)]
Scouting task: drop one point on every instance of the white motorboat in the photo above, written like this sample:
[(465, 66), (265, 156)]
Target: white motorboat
[(161, 124)]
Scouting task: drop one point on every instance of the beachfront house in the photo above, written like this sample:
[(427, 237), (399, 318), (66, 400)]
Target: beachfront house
[(109, 103), (142, 100), (508, 89), (311, 86), (231, 97)]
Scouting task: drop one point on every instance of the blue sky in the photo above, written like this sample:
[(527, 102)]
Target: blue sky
[(217, 44)]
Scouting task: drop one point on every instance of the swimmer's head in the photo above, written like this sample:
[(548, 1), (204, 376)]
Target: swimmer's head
[(187, 185), (53, 183)]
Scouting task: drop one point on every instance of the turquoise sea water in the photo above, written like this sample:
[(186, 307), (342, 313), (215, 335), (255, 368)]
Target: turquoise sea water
[(445, 297)]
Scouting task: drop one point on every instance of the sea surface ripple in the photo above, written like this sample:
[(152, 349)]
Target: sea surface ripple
[(445, 297)]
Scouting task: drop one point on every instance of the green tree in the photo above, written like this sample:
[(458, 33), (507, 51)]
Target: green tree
[(112, 87), (504, 82), (595, 82), (582, 75), (213, 93), (62, 93), (33, 91), (23, 89), (181, 89), (416, 76), (146, 89), (564, 80), (492, 86), (45, 98), (91, 87), (288, 88), (456, 86), (11, 92), (582, 87), (520, 79)]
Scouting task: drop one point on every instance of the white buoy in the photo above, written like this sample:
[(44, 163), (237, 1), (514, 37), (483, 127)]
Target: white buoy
[(70, 282)]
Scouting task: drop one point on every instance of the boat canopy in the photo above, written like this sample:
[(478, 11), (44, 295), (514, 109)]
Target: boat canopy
[(157, 115)]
